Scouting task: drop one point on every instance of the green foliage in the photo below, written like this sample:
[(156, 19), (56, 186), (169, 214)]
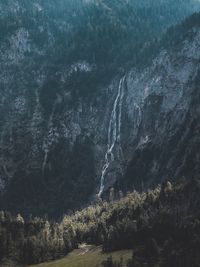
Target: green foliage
[(144, 222), (154, 224), (108, 34), (33, 241)]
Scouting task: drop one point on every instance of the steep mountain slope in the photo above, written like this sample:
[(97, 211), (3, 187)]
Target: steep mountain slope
[(165, 141), (56, 107)]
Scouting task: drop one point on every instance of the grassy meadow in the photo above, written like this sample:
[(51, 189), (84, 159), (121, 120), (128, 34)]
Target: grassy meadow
[(87, 256)]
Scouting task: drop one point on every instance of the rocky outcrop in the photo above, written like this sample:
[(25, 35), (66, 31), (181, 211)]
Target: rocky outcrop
[(156, 118), (159, 102)]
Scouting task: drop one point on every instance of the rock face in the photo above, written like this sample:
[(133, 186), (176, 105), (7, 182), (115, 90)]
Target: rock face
[(159, 105), (56, 149), (158, 124)]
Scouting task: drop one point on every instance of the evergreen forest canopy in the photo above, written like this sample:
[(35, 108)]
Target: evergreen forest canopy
[(108, 34), (162, 227)]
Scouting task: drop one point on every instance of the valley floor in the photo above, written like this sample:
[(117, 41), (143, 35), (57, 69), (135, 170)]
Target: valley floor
[(87, 256)]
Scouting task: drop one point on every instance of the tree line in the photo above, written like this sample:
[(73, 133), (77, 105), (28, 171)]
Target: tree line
[(162, 226)]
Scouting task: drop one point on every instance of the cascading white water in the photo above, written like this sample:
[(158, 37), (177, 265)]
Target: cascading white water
[(114, 132)]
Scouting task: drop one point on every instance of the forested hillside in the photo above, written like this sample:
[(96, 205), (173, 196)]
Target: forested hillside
[(162, 227), (106, 34)]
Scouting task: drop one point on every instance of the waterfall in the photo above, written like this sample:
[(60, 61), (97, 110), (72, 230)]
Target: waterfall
[(47, 143), (114, 131)]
